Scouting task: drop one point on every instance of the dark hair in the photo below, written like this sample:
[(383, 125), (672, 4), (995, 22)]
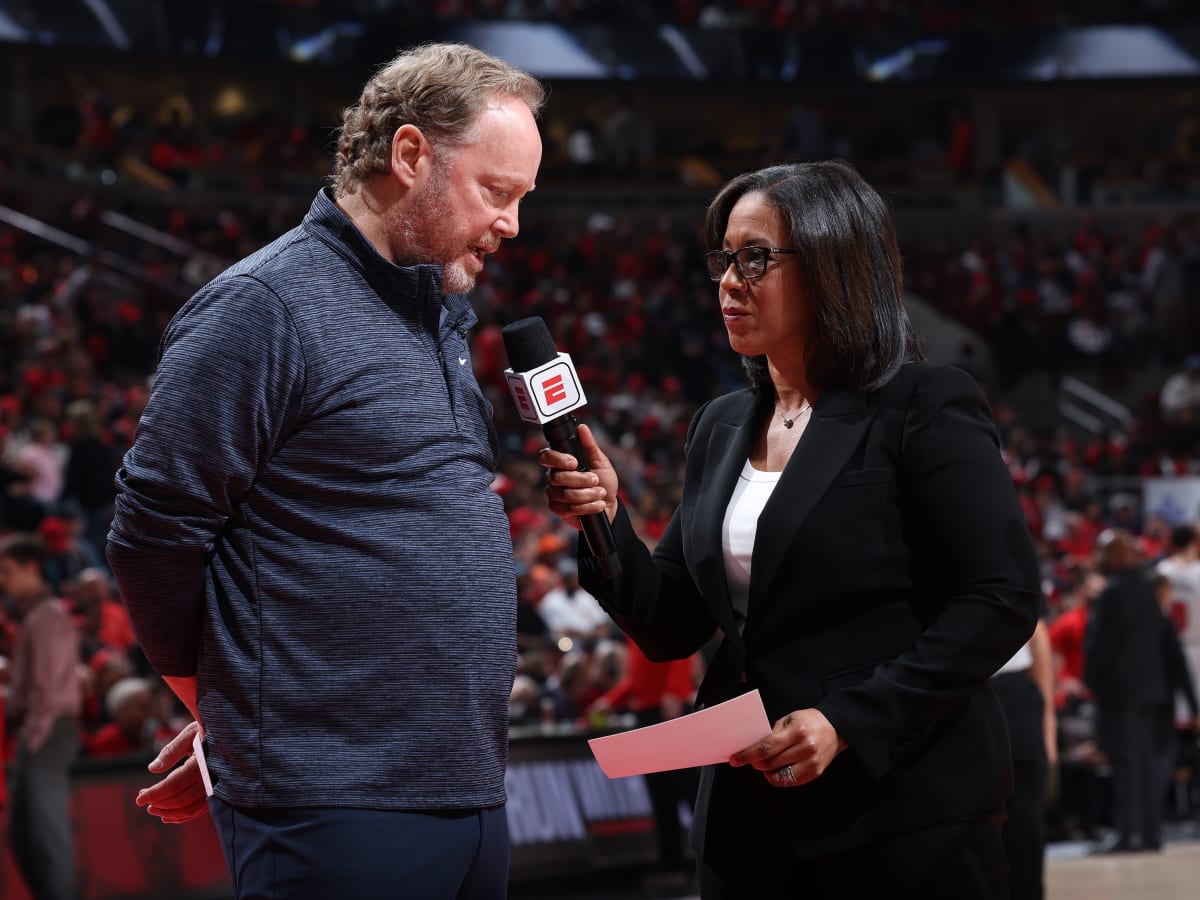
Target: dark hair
[(24, 549), (1118, 551), (850, 264), (1182, 537)]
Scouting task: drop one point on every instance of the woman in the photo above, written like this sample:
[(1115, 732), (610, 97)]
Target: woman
[(850, 531)]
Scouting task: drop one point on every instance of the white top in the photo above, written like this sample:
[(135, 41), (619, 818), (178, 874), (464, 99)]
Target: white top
[(750, 495), (1021, 660), (579, 612), (1179, 392), (1185, 600)]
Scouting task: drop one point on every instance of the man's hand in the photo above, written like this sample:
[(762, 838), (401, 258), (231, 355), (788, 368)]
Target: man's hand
[(179, 797)]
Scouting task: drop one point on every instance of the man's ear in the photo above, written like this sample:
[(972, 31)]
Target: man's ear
[(412, 154)]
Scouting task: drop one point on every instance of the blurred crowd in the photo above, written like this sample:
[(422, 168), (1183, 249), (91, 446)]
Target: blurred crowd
[(1094, 301), (628, 298), (890, 15)]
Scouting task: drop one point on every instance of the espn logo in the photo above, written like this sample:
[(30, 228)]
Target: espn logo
[(547, 392)]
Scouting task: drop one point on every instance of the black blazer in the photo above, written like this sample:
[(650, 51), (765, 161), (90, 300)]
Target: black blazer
[(1125, 658), (892, 574)]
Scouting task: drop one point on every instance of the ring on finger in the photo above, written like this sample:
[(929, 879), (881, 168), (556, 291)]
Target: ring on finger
[(787, 776)]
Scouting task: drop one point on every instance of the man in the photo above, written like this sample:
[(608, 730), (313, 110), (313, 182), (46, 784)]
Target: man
[(46, 702), (103, 621), (1179, 403), (1181, 567), (1126, 669), (305, 535), (1179, 399), (571, 612)]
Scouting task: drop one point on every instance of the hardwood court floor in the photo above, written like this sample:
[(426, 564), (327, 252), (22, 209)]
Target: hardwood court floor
[(1071, 874), (1173, 874)]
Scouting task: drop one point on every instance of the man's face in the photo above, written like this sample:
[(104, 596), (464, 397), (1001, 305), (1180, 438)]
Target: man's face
[(469, 203), (20, 581)]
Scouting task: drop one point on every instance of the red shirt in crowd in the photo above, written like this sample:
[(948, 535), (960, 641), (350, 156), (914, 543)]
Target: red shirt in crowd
[(646, 683), (110, 740), (1066, 637), (115, 628)]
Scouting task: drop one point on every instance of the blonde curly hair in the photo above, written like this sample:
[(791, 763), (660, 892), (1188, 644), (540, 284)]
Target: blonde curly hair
[(441, 88)]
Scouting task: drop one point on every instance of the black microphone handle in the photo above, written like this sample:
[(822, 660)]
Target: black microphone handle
[(563, 435)]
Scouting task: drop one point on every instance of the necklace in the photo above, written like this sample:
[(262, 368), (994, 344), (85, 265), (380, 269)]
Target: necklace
[(789, 421)]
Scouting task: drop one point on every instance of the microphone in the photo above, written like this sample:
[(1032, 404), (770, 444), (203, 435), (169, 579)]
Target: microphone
[(546, 389)]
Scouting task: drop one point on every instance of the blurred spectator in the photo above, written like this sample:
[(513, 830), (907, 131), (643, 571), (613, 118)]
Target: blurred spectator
[(1181, 761), (1181, 391), (532, 633), (524, 701), (628, 135), (550, 549), (570, 688), (1179, 672), (41, 460), (583, 148), (97, 138), (18, 510), (131, 728), (1181, 569), (1179, 404), (1067, 634), (609, 663), (1079, 802), (1165, 281), (960, 155), (102, 619), (1127, 672), (571, 612), (106, 667), (88, 481), (68, 552), (651, 690), (46, 704)]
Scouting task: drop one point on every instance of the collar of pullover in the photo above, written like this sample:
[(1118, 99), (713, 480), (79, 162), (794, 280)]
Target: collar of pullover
[(407, 289)]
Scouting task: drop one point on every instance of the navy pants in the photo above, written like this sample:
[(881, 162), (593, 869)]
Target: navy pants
[(364, 853)]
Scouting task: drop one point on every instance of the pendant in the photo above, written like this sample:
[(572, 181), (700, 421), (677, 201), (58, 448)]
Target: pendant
[(787, 423)]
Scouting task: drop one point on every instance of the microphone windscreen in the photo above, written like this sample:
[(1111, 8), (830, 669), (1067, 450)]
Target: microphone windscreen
[(528, 343)]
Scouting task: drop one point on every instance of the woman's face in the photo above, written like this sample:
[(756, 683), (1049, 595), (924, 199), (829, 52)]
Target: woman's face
[(768, 315)]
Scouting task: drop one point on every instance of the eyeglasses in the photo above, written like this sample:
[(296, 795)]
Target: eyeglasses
[(750, 262)]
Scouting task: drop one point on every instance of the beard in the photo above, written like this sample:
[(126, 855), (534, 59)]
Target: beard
[(425, 234)]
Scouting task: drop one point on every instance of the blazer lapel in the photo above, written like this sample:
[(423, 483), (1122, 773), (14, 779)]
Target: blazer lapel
[(728, 449), (840, 419)]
